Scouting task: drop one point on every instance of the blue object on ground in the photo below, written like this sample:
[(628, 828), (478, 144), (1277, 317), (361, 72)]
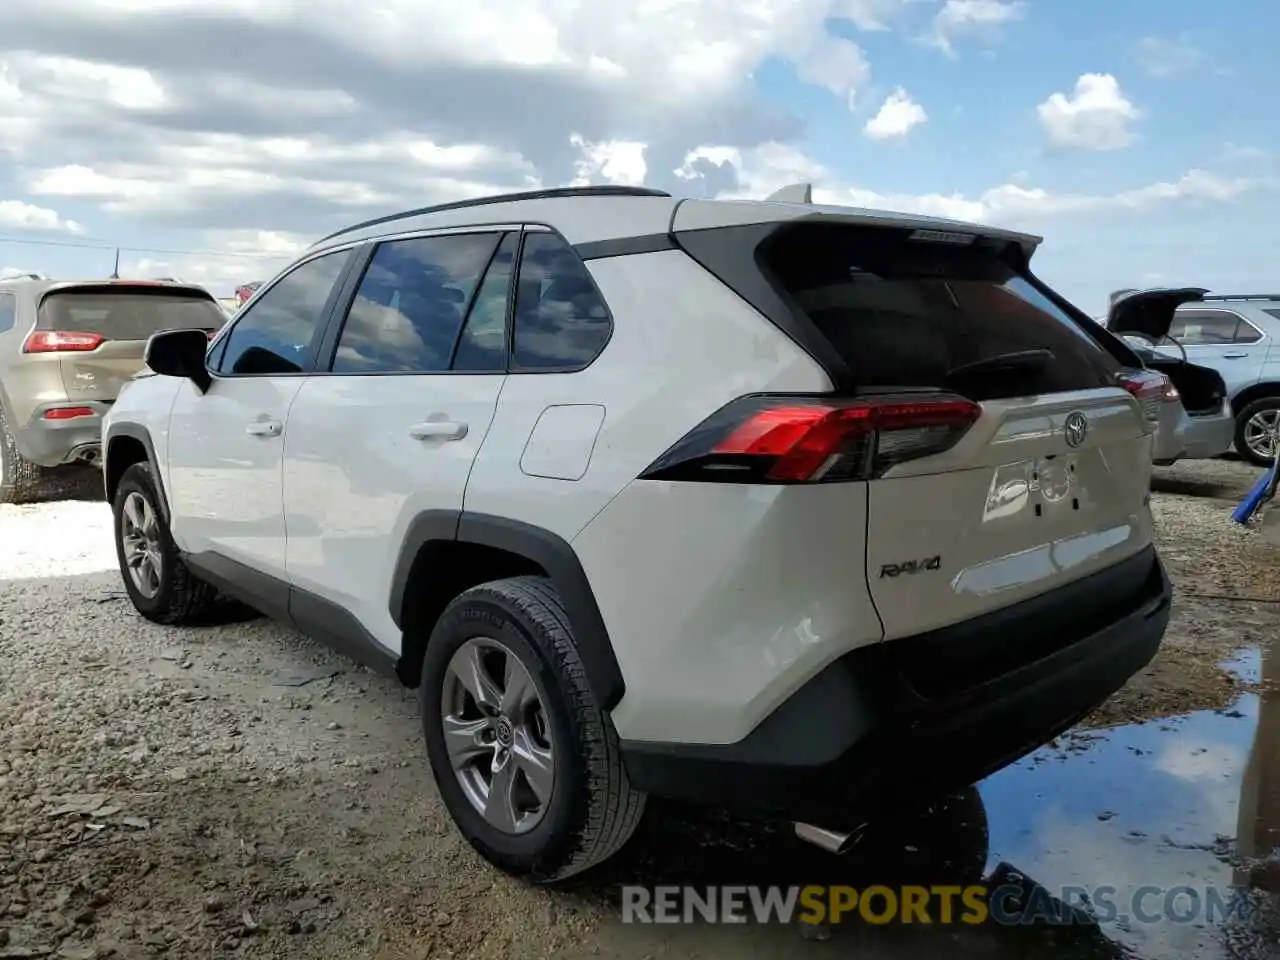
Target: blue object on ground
[(1261, 492)]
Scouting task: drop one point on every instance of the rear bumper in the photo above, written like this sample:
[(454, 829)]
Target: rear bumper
[(51, 443), (1209, 436), (918, 716), (1169, 444)]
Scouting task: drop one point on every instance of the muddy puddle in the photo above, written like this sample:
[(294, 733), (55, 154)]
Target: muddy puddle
[(1170, 827)]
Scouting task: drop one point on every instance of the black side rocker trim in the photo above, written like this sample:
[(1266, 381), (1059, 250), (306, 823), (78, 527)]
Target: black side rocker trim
[(316, 617), (550, 552)]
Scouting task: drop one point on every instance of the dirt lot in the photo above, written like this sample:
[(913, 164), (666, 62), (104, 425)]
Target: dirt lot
[(237, 790)]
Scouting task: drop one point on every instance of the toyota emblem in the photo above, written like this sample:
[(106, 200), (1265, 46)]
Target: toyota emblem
[(1076, 428)]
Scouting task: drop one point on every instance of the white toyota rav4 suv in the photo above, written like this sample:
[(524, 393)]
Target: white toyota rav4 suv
[(805, 511)]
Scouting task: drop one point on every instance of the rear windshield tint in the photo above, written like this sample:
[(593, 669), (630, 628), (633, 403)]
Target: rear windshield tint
[(128, 315), (905, 313)]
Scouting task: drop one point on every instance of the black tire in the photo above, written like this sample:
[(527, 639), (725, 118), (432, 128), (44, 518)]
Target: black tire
[(182, 597), (21, 481), (1242, 418), (593, 809)]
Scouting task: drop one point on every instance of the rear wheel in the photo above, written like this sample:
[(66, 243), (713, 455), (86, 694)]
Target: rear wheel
[(158, 582), (527, 764), (1257, 430), (21, 481)]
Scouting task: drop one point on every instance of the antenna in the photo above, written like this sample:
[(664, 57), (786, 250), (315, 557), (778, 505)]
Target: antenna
[(792, 193), (115, 273)]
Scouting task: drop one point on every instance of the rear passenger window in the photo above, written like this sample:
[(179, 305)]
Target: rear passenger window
[(8, 311), (561, 321), (274, 335), (409, 308), (906, 312), (482, 348), (1205, 328)]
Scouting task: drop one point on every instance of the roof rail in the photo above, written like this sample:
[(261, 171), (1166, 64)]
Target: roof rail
[(606, 190), (1242, 296)]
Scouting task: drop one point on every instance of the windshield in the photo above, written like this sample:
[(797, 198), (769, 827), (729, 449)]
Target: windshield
[(129, 314)]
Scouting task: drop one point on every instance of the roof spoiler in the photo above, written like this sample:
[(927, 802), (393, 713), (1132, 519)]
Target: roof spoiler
[(792, 193)]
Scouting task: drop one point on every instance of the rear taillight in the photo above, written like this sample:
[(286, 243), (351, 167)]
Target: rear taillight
[(810, 440), (1148, 388), (61, 341), (68, 413)]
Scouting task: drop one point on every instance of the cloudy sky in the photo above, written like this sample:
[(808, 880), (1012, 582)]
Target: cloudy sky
[(210, 138)]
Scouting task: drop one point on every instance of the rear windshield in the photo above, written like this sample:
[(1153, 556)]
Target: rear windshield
[(128, 315), (907, 313)]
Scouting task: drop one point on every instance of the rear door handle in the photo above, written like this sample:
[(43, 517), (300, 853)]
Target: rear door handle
[(1234, 356), (438, 430), (264, 428)]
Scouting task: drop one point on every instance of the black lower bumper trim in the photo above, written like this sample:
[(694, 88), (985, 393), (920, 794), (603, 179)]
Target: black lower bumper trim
[(862, 734)]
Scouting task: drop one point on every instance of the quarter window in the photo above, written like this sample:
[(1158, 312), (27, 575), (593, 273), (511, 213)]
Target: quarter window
[(275, 334), (8, 311), (561, 321), (411, 303)]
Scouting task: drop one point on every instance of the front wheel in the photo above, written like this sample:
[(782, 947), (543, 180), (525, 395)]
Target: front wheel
[(1257, 430), (158, 582), (527, 764)]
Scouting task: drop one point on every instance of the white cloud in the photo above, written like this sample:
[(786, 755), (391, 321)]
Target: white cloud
[(761, 171), (1097, 116), (191, 172), (16, 215), (836, 64), (961, 18), (663, 48), (615, 161), (220, 275), (896, 117), (1165, 57), (870, 15)]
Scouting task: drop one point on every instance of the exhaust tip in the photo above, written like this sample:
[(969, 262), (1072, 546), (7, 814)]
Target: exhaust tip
[(833, 841)]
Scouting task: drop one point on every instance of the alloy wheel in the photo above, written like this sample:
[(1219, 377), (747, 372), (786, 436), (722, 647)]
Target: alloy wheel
[(1260, 433), (497, 735), (140, 542)]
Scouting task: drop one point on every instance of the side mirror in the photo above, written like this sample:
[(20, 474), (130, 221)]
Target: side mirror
[(180, 353)]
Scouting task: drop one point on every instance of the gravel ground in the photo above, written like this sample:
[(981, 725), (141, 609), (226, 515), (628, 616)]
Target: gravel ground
[(239, 791), (1227, 593)]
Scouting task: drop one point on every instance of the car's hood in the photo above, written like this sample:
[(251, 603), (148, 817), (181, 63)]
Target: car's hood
[(1149, 312)]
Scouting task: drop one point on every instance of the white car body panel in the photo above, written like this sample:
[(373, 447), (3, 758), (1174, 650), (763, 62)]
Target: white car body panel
[(358, 467), (747, 593), (225, 457), (683, 346)]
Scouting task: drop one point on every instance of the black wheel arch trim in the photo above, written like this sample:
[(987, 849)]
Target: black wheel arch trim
[(141, 434), (546, 549)]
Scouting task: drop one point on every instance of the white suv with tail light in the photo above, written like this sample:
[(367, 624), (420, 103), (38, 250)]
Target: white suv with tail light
[(805, 511)]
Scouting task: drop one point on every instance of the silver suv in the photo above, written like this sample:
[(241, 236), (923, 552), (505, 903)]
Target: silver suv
[(66, 348)]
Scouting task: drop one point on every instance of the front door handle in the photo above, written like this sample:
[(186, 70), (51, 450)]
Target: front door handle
[(1234, 356), (438, 430), (264, 428)]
